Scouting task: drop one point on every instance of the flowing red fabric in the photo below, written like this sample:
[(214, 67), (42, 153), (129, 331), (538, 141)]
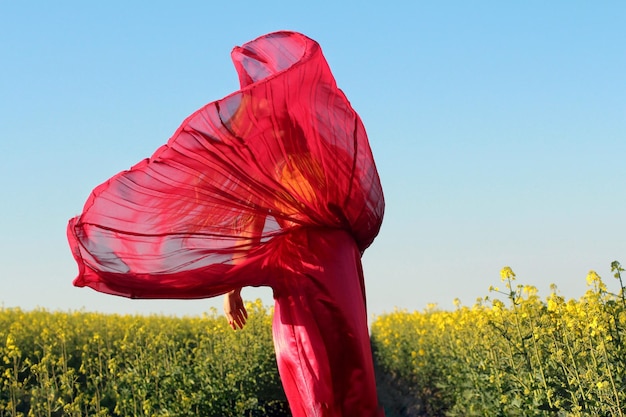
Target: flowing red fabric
[(272, 185)]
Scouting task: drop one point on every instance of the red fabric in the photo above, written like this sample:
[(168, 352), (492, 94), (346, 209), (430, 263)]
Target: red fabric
[(258, 188), (320, 328)]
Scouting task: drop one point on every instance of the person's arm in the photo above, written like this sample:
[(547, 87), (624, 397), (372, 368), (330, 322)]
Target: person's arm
[(234, 307)]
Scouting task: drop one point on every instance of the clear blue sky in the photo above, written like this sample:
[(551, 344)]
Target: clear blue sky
[(499, 130)]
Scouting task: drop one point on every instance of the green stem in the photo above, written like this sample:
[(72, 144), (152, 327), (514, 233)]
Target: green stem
[(576, 373), (615, 266), (539, 362), (608, 370)]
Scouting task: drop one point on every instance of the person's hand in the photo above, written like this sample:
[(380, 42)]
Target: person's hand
[(235, 310)]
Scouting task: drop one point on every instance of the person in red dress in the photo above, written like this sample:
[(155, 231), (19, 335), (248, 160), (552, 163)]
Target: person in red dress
[(274, 185)]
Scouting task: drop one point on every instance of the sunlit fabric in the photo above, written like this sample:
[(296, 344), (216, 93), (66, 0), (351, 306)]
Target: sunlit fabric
[(273, 185)]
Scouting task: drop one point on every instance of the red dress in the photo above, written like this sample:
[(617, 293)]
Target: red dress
[(274, 185)]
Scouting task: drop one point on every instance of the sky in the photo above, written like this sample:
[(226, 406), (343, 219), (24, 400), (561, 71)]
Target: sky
[(498, 129)]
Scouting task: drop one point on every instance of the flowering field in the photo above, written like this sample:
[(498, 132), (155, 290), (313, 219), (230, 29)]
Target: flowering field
[(511, 354), (75, 364), (517, 357)]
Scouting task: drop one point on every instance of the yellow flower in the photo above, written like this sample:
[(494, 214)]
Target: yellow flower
[(552, 305), (592, 277), (507, 273), (530, 290)]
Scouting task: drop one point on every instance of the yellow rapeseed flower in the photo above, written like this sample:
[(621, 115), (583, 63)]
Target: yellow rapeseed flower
[(552, 304), (530, 290), (602, 384), (592, 277), (507, 273)]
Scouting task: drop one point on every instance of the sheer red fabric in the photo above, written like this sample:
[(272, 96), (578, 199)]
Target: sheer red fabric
[(286, 150), (272, 185)]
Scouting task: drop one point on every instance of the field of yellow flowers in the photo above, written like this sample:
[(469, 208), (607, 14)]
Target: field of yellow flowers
[(511, 354), (517, 357), (90, 364)]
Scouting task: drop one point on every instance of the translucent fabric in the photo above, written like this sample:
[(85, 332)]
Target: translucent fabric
[(286, 151), (274, 185)]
